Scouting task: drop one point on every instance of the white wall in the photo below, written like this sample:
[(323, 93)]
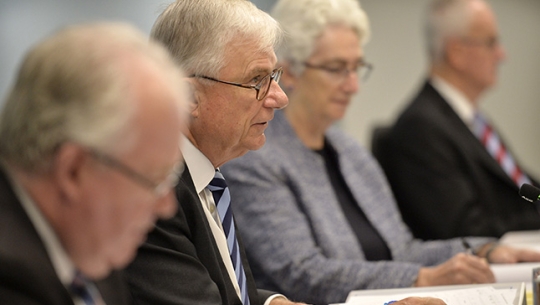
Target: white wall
[(396, 50)]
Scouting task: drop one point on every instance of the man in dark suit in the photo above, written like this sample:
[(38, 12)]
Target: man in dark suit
[(187, 259), (446, 181), (89, 134)]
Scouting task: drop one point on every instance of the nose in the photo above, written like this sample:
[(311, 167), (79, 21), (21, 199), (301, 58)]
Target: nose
[(351, 82), (167, 205), (276, 98)]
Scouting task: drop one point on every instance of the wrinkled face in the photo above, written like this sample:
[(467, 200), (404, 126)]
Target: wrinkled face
[(324, 92), (228, 120), (118, 210), (482, 52)]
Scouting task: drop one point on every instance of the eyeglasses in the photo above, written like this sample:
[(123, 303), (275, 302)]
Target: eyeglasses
[(159, 189), (489, 43), (262, 87), (362, 69)]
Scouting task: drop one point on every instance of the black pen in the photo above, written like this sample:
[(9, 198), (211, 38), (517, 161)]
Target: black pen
[(467, 246)]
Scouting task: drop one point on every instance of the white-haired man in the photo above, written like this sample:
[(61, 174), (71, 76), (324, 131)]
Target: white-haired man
[(89, 150)]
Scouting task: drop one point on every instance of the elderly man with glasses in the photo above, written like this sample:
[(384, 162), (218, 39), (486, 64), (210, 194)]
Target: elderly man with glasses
[(89, 148), (227, 49)]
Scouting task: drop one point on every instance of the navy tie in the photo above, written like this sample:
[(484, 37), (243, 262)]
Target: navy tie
[(82, 288), (222, 198)]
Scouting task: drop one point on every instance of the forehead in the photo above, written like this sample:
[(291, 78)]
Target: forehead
[(337, 42), (483, 21), (245, 56)]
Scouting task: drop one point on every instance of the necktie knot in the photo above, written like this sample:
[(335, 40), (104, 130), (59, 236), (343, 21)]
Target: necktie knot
[(81, 288)]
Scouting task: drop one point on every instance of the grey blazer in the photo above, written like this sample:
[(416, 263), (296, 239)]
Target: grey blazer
[(297, 238)]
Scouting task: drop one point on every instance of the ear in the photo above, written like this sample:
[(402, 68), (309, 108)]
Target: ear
[(69, 164), (194, 88), (455, 53)]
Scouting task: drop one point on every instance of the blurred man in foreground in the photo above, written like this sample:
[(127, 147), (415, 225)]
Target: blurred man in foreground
[(89, 150)]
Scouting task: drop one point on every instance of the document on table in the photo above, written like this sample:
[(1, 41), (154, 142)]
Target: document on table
[(522, 239), (498, 294), (511, 273)]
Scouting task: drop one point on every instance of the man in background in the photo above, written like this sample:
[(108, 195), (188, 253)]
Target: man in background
[(450, 171), (89, 152)]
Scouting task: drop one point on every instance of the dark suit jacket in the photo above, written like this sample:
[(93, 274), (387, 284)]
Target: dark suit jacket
[(27, 275), (180, 262), (444, 180)]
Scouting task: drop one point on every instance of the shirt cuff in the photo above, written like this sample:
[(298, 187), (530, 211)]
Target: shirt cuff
[(267, 302)]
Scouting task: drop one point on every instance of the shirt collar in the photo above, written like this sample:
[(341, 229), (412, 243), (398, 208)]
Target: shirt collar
[(457, 100), (62, 263), (201, 169)]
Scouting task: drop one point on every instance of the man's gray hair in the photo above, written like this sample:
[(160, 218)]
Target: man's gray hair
[(445, 19), (305, 20), (197, 32), (74, 87)]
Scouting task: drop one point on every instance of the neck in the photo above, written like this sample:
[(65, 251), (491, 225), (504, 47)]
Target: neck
[(309, 128), (459, 81)]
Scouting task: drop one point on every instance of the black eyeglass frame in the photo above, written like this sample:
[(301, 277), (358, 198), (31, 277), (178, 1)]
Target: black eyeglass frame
[(159, 189), (274, 75), (344, 72)]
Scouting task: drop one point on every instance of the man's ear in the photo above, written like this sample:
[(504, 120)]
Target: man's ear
[(455, 53), (69, 163), (194, 94)]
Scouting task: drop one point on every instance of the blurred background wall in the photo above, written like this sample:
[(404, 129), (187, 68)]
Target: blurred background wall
[(396, 50)]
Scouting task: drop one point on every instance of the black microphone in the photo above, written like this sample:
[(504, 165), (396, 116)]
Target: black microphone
[(529, 192)]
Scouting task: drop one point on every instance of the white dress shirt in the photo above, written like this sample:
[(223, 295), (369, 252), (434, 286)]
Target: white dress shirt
[(202, 172), (64, 267), (456, 99)]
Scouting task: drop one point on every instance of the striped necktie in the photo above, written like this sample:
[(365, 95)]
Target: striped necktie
[(493, 144), (83, 289), (222, 198)]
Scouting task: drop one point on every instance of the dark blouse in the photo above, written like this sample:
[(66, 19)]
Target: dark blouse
[(373, 246)]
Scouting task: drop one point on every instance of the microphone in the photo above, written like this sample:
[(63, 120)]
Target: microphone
[(529, 192)]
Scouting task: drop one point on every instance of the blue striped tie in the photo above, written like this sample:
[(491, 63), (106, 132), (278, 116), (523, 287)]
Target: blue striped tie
[(222, 198)]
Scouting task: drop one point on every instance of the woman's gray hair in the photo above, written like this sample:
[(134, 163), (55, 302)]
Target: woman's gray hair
[(445, 19), (305, 20), (197, 32), (74, 87)]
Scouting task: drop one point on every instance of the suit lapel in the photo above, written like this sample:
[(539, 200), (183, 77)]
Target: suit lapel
[(463, 135)]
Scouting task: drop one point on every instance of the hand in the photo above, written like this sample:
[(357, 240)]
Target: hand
[(507, 255), (283, 301), (460, 269), (419, 301)]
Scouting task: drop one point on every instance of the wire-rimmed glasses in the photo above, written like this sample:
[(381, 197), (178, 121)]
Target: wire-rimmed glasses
[(159, 189), (262, 87), (341, 72)]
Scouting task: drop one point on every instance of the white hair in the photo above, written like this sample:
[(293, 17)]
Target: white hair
[(74, 87), (197, 32), (446, 19), (304, 21)]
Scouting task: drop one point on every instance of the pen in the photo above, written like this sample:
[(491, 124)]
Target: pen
[(467, 246)]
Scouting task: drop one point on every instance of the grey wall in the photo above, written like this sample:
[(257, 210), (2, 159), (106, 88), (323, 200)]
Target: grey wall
[(396, 50)]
